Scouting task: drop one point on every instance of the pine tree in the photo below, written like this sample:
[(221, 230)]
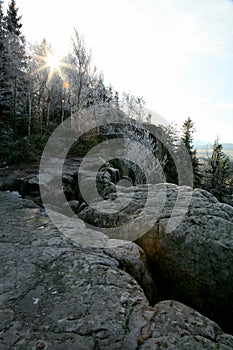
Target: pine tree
[(14, 68), (187, 138), (13, 24), (218, 175), (2, 60), (2, 24), (169, 148)]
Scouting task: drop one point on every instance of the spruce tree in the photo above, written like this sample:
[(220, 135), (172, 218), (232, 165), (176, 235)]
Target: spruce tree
[(1, 25), (2, 59), (169, 152), (13, 24), (218, 175), (187, 138), (14, 69)]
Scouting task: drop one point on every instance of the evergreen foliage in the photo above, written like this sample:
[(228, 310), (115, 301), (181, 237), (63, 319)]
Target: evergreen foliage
[(13, 24), (35, 98), (187, 138), (170, 148), (13, 77), (218, 173)]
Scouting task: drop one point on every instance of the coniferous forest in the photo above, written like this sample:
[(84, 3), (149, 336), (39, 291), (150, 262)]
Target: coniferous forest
[(38, 92)]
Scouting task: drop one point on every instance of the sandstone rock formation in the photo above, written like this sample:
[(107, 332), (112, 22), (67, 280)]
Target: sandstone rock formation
[(194, 262), (189, 245), (56, 294)]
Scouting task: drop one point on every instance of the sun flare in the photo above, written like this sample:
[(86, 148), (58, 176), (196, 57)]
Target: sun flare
[(53, 62)]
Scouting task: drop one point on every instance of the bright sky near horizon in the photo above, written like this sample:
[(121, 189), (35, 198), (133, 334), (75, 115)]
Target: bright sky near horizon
[(177, 54)]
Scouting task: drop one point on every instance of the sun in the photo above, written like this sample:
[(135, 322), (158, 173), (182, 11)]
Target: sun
[(53, 62)]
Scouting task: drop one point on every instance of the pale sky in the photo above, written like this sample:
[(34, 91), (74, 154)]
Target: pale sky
[(177, 54)]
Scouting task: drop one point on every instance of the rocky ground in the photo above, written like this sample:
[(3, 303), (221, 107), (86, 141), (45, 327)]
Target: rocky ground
[(189, 245), (58, 294)]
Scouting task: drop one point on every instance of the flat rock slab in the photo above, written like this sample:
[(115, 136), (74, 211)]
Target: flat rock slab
[(56, 294)]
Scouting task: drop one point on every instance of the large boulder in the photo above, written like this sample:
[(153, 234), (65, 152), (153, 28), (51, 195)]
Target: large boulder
[(189, 243), (193, 263), (57, 294)]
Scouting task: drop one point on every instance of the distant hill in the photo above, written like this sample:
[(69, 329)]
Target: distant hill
[(228, 146), (204, 148), (204, 144)]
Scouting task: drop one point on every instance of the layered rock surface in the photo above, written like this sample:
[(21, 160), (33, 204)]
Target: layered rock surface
[(57, 294), (194, 262), (189, 244)]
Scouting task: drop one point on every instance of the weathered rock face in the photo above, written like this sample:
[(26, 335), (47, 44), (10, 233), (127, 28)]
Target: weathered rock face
[(194, 262), (56, 294), (173, 325)]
